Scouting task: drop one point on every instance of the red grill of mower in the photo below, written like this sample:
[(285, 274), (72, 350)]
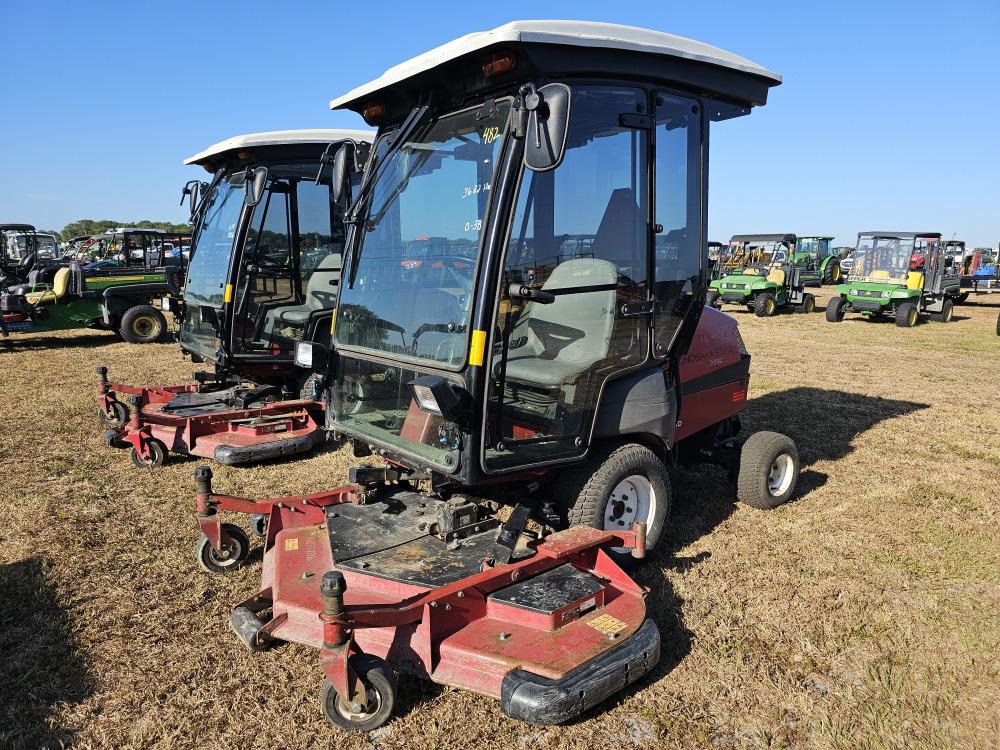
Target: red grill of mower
[(379, 588), (184, 419)]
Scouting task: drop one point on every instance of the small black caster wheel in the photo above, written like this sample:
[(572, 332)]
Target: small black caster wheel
[(380, 684), (157, 455), (258, 525), (230, 558), (117, 417)]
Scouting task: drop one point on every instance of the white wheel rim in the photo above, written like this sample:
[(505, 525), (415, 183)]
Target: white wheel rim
[(779, 478), (345, 709), (633, 499)]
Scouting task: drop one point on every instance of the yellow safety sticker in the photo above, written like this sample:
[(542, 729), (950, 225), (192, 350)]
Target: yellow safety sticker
[(333, 320), (607, 624), (228, 296), (291, 544), (478, 348)]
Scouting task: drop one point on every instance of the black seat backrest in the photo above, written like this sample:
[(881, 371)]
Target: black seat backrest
[(620, 238), (76, 279)]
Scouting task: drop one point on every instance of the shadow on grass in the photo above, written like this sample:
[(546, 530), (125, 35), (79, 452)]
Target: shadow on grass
[(823, 423), (16, 342), (40, 666)]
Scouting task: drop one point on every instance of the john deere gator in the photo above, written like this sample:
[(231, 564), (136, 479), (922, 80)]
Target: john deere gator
[(903, 274), (760, 271)]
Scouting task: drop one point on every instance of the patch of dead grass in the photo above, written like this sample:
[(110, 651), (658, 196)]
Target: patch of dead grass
[(863, 615)]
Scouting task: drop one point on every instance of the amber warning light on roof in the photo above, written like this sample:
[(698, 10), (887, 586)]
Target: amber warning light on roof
[(496, 64)]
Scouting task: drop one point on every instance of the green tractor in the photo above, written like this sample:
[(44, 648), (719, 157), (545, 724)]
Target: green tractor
[(760, 272), (117, 291), (814, 256), (902, 274)]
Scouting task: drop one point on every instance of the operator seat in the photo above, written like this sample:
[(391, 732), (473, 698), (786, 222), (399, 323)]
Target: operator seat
[(777, 276), (321, 293), (60, 285), (554, 343)]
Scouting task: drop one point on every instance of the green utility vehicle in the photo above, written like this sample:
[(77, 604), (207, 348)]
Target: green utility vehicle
[(903, 274), (117, 291), (760, 271), (814, 255)]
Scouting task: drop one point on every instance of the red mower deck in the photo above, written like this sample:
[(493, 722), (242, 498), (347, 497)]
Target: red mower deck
[(193, 420), (551, 633)]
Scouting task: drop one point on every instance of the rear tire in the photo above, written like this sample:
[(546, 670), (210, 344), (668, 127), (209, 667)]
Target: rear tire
[(142, 324), (769, 470), (808, 304), (907, 315), (947, 312), (832, 274), (606, 492), (764, 305)]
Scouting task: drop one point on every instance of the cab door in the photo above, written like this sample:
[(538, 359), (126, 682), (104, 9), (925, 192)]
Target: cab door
[(679, 241), (578, 242)]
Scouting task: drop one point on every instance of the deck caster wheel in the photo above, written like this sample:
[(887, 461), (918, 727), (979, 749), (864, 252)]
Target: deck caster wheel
[(614, 489), (769, 470), (380, 685), (765, 305), (119, 415), (227, 560), (157, 455), (258, 525)]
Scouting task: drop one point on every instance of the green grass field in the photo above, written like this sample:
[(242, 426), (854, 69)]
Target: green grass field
[(866, 614)]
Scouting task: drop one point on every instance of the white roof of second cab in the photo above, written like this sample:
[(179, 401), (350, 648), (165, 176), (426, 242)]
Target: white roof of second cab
[(570, 33), (281, 138)]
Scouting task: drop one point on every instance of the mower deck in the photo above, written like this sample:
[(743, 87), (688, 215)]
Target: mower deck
[(207, 423), (551, 633)]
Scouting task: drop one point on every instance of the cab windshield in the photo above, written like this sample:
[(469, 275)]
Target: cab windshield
[(813, 247), (208, 270), (882, 259), (43, 245), (408, 286)]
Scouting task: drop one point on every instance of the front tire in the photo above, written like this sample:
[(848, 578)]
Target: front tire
[(712, 299), (142, 324), (380, 684), (615, 488), (769, 470), (764, 305), (808, 304), (907, 315), (835, 309)]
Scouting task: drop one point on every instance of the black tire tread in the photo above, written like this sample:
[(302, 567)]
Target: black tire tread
[(755, 460)]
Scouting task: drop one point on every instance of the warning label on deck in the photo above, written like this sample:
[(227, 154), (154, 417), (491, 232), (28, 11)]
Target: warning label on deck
[(291, 544), (607, 624)]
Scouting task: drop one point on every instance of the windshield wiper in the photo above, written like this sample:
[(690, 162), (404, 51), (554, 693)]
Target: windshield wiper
[(410, 124)]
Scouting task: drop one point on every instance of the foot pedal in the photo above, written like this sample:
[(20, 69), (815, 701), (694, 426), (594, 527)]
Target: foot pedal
[(247, 627)]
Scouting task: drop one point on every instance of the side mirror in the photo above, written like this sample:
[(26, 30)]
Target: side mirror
[(339, 177), (547, 125), (191, 191), (254, 186)]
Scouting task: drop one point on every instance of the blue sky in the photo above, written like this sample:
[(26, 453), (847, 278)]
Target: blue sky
[(888, 117)]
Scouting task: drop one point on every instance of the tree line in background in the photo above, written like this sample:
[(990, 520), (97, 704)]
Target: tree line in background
[(90, 226)]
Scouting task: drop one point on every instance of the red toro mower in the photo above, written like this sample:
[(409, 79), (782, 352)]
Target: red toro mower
[(263, 276), (560, 369)]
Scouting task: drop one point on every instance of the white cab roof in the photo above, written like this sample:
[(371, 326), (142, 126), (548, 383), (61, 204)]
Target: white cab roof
[(281, 138), (566, 33)]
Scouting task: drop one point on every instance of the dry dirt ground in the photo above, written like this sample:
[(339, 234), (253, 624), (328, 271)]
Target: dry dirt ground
[(866, 614)]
